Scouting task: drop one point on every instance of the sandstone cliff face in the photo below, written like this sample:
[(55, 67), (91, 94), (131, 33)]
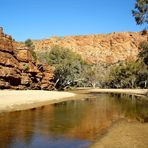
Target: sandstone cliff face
[(108, 48), (18, 70)]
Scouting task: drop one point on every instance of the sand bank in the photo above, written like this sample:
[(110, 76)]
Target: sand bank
[(124, 134), (126, 91), (13, 100)]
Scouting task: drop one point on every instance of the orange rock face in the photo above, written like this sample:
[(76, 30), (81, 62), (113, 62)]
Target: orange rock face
[(18, 69), (109, 48), (24, 55)]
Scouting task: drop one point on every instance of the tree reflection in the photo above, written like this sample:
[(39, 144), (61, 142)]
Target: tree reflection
[(133, 107)]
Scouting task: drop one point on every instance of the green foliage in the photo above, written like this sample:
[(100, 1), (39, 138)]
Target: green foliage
[(29, 43), (31, 47), (95, 75), (68, 66), (129, 75), (141, 12), (90, 75), (42, 56), (70, 70), (25, 67), (144, 53)]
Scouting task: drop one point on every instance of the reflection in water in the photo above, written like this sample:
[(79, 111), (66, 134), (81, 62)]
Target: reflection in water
[(133, 107), (69, 124)]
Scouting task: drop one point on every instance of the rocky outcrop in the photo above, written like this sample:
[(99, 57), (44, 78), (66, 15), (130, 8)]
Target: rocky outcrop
[(109, 48), (18, 69)]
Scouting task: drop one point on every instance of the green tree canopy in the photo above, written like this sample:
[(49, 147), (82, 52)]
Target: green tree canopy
[(95, 75), (31, 47), (68, 66), (144, 52), (141, 12), (29, 43), (129, 75)]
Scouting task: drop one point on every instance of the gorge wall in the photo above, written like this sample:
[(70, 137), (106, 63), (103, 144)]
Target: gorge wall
[(108, 48), (18, 69)]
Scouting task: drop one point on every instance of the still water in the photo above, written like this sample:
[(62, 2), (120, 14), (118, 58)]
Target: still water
[(70, 124)]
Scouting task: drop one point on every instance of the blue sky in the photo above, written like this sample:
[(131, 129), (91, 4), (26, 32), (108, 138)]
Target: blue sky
[(39, 19)]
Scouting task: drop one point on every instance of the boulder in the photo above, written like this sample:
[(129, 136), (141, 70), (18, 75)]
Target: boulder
[(28, 67), (25, 79), (35, 86), (39, 75), (4, 85), (33, 68), (23, 55), (47, 86), (6, 72), (6, 45), (8, 59)]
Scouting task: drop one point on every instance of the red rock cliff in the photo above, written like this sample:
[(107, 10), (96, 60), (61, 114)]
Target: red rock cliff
[(109, 48), (18, 70)]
